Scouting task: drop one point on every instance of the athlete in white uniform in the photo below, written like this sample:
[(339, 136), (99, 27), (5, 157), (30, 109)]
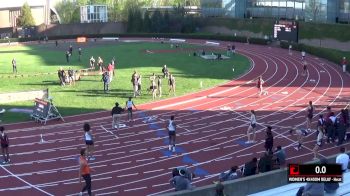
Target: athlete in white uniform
[(171, 127), (129, 105), (251, 128), (89, 141)]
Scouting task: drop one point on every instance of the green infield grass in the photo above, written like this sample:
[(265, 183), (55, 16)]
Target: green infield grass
[(87, 95)]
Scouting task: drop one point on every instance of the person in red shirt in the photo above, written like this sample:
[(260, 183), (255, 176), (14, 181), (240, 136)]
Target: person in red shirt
[(110, 71), (344, 63), (84, 171)]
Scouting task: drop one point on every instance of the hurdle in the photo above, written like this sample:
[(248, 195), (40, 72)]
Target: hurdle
[(110, 38), (212, 43), (177, 40)]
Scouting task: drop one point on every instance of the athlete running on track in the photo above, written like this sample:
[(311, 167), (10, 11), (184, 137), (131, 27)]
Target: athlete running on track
[(129, 105), (320, 134), (301, 133), (84, 172), (259, 85), (89, 141), (309, 115)]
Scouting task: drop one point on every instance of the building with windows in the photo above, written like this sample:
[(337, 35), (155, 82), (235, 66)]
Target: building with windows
[(308, 10), (93, 13), (42, 10)]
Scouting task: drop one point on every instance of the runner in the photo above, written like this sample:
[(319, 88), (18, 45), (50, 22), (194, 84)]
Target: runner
[(139, 84), (116, 111), (320, 134), (92, 62), (165, 71), (159, 86), (304, 72), (260, 83), (344, 64), (172, 84), (129, 105), (309, 115), (4, 145), (251, 128), (301, 133), (330, 123), (84, 171), (171, 127), (154, 89), (303, 54), (89, 142)]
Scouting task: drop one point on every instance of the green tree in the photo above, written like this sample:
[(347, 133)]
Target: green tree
[(26, 18), (147, 23), (67, 11)]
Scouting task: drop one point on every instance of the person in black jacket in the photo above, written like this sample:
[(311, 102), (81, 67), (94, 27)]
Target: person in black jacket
[(341, 127), (269, 139), (250, 167), (265, 162), (116, 111)]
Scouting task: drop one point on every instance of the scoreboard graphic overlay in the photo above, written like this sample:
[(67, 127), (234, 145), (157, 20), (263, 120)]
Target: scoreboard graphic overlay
[(286, 31), (315, 173)]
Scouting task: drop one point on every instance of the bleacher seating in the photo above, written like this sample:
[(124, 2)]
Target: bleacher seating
[(292, 189)]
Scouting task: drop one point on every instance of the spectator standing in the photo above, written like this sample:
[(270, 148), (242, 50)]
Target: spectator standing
[(62, 76), (84, 172), (331, 128), (281, 156), (79, 53), (320, 134), (106, 80), (92, 62), (4, 140), (67, 56), (159, 86), (250, 168), (116, 112), (56, 43), (71, 76), (251, 128), (165, 71), (219, 190), (134, 82), (344, 63), (14, 66), (341, 127), (110, 71), (70, 50), (99, 63), (171, 127), (269, 139), (129, 105), (172, 84), (343, 160), (139, 84)]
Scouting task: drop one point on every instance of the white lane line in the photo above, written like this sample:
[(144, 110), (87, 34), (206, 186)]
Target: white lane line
[(135, 189), (157, 170), (108, 193), (223, 159), (129, 133), (198, 141), (110, 132), (133, 174), (243, 155), (132, 141), (31, 185), (97, 179), (72, 169), (210, 149), (157, 185), (46, 172), (138, 150), (111, 144), (141, 160), (219, 138), (208, 131), (121, 163), (113, 153), (63, 149), (231, 146)]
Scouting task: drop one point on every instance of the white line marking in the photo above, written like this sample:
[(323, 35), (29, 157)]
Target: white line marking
[(133, 174), (157, 170), (243, 155), (121, 163), (141, 160), (134, 189), (113, 153), (31, 185), (109, 193), (157, 185), (138, 150)]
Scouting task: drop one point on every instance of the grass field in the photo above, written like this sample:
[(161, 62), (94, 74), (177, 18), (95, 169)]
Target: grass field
[(87, 95)]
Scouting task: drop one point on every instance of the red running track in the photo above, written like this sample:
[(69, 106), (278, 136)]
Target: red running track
[(212, 126)]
